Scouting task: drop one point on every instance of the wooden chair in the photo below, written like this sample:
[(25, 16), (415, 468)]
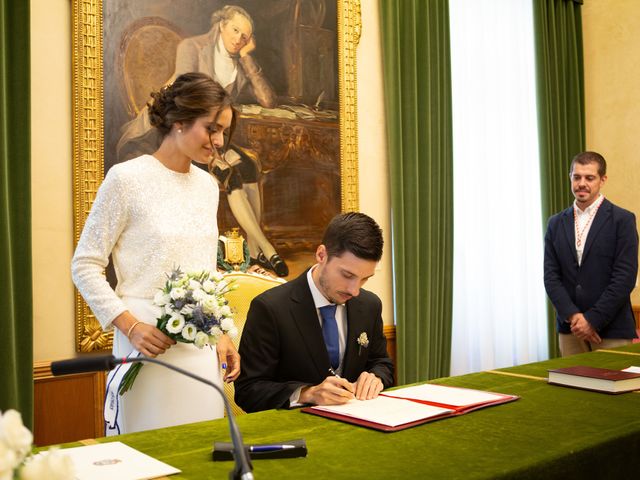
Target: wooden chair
[(249, 285)]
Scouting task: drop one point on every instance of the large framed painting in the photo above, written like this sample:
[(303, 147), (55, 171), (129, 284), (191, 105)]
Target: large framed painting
[(293, 81)]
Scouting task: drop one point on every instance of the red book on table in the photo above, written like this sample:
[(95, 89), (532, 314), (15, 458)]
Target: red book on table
[(596, 379)]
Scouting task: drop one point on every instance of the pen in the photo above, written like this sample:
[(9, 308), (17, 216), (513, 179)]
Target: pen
[(333, 373), (269, 448)]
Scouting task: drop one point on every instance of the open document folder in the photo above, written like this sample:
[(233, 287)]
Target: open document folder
[(115, 460), (410, 406)]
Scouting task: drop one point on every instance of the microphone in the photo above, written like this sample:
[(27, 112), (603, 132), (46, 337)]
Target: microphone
[(96, 363)]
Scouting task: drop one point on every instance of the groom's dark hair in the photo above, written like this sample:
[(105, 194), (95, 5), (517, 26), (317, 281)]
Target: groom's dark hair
[(356, 233)]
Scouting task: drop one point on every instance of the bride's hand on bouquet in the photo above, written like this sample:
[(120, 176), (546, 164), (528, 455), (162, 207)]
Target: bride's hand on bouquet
[(229, 358), (145, 338)]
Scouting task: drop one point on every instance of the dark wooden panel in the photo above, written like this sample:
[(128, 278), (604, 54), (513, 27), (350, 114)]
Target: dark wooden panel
[(67, 408)]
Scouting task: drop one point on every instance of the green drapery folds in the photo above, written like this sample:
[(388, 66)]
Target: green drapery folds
[(16, 311), (561, 123), (417, 81)]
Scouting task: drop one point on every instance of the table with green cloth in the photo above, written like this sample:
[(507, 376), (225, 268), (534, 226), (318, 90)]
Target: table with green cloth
[(550, 432)]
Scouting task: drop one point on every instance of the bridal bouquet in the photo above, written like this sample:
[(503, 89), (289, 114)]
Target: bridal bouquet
[(16, 461), (194, 310)]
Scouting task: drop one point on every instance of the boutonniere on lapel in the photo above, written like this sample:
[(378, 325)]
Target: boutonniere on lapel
[(363, 341)]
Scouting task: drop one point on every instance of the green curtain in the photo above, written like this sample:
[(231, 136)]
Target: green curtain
[(417, 83), (16, 311), (561, 124)]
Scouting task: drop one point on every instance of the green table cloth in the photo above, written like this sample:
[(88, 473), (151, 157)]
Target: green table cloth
[(550, 432)]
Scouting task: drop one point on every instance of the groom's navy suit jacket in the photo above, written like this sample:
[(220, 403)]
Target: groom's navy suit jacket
[(282, 347), (599, 287)]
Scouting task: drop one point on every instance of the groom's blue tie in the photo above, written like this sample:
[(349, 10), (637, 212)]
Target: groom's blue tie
[(330, 334)]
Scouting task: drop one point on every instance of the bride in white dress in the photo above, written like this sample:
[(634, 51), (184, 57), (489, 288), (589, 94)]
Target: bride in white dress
[(152, 214)]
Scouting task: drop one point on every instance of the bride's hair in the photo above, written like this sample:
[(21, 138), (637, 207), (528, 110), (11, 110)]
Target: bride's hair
[(189, 97)]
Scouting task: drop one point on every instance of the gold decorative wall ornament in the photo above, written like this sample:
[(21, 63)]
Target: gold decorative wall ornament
[(88, 129)]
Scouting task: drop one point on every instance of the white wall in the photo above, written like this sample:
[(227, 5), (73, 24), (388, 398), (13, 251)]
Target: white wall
[(51, 176), (612, 96), (372, 144)]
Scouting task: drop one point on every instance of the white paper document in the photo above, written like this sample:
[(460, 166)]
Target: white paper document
[(115, 460), (632, 369), (385, 411), (453, 396)]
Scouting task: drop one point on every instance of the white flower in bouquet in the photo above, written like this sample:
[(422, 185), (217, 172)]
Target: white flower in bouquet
[(225, 311), (201, 339), (209, 287), (232, 332), (16, 461), (175, 323), (199, 295), (189, 332), (14, 434), (210, 306), (8, 462), (178, 293), (52, 465), (193, 310), (227, 323), (217, 277), (215, 333), (161, 299)]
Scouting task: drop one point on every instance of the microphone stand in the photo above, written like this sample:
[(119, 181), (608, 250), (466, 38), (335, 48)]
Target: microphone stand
[(243, 468)]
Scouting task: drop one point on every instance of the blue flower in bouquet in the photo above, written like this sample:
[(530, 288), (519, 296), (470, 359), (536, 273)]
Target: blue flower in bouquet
[(193, 310)]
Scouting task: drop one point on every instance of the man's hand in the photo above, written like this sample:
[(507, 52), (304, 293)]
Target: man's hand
[(249, 47), (583, 330), (368, 386), (145, 338), (229, 358), (332, 391)]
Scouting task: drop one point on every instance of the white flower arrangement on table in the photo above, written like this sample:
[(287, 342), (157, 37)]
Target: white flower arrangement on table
[(16, 460), (194, 310)]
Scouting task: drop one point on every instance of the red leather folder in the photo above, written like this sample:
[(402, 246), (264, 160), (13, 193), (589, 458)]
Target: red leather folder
[(459, 408)]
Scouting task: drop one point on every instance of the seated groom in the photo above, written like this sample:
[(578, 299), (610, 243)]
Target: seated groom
[(318, 339)]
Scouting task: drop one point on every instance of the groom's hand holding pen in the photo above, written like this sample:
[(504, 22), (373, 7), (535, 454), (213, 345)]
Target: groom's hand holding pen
[(367, 386), (334, 390)]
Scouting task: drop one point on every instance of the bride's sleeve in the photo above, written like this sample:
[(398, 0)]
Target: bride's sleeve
[(101, 231)]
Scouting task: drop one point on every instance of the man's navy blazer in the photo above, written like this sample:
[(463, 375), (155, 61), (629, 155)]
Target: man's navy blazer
[(282, 347), (599, 287)]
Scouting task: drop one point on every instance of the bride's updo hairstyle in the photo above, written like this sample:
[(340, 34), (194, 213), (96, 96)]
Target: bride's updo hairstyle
[(189, 97)]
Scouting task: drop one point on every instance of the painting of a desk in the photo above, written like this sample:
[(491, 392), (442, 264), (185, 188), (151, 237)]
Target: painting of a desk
[(299, 164)]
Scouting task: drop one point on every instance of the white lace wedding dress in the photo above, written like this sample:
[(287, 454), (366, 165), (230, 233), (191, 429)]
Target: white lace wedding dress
[(151, 219)]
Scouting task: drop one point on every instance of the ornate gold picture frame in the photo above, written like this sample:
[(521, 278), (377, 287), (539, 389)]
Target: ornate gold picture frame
[(88, 129)]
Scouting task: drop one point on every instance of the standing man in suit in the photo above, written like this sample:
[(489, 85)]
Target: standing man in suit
[(591, 264), (318, 339)]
